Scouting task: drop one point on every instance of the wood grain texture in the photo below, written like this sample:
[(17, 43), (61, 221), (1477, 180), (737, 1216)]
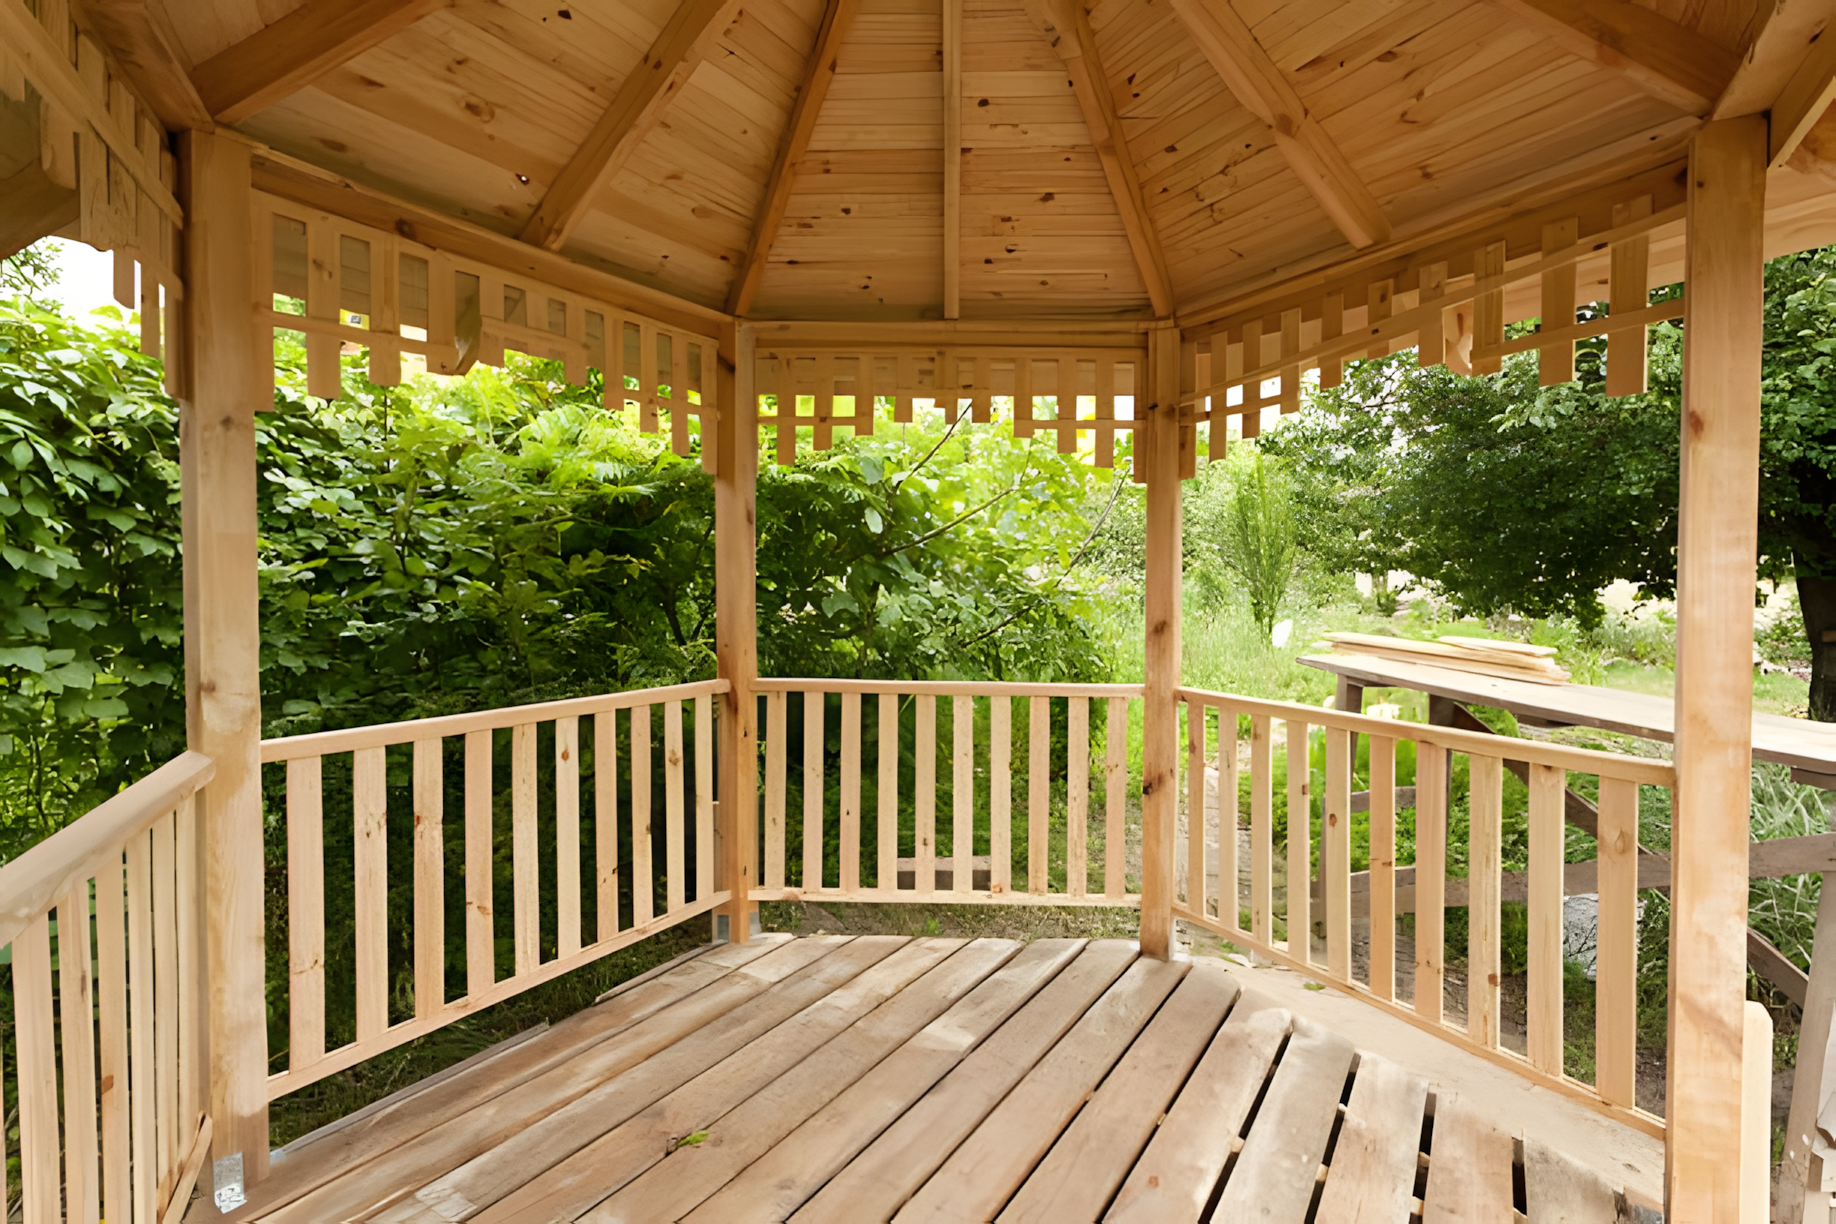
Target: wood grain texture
[(1469, 1165), (1288, 1141), (1372, 1178)]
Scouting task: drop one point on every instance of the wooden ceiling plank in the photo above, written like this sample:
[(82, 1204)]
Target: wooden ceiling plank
[(297, 50), (1667, 60), (952, 159), (639, 105), (837, 19), (1263, 88), (141, 40), (1066, 25), (1774, 55)]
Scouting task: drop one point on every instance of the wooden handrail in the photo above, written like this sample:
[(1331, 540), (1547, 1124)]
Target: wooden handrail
[(1642, 770), (944, 688), (382, 735), (34, 882)]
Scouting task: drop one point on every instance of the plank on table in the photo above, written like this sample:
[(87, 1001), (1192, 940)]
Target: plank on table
[(1469, 1167), (1091, 1158), (1374, 1161), (459, 1190), (1281, 1156), (993, 1162), (883, 1176), (674, 1186), (1560, 1190), (1173, 1180), (781, 1180), (456, 1137)]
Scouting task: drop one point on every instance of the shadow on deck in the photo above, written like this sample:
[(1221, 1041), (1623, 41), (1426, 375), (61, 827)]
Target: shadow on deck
[(835, 1079)]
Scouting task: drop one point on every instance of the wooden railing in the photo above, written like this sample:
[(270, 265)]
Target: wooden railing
[(561, 775), (103, 923), (1063, 853), (1213, 898)]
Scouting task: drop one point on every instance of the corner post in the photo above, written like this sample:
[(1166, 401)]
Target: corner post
[(736, 621), (1717, 542), (1158, 445), (224, 389)]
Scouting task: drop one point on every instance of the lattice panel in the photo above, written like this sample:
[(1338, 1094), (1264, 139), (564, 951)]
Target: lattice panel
[(374, 290), (1454, 312), (805, 383)]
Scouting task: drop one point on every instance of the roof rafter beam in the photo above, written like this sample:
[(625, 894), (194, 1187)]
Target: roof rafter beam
[(818, 73), (312, 40), (1262, 87), (1803, 100), (638, 106), (142, 42), (1068, 27), (1668, 61)]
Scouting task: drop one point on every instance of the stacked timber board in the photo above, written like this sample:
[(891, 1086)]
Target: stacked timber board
[(884, 1078), (1484, 656)]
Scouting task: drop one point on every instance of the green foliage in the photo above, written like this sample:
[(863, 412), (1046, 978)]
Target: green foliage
[(1258, 541), (28, 272)]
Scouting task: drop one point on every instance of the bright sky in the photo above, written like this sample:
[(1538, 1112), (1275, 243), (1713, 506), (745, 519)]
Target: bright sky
[(86, 276)]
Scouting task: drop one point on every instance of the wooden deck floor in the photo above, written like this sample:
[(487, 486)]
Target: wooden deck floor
[(831, 1080)]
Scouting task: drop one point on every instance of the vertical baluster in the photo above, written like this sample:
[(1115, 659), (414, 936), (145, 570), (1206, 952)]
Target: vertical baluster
[(194, 1080), (1485, 800), (305, 911), (1038, 789), (643, 877), (1544, 987), (1628, 290), (1077, 795), (1103, 435), (962, 793), (1383, 867), (142, 1099), (776, 725), (1616, 954), (887, 869), (112, 1019), (525, 883), (1431, 766), (164, 933), (1335, 852), (1195, 806), (1115, 789), (1488, 307), (1556, 363), (851, 784), (605, 819), (429, 877), (480, 936), (675, 860), (82, 1191), (1228, 903), (567, 837), (1000, 794), (704, 790), (924, 798), (1300, 846), (37, 1054), (814, 706), (371, 803), (1262, 829)]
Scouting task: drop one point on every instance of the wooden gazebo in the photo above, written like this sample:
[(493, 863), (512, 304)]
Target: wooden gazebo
[(764, 220)]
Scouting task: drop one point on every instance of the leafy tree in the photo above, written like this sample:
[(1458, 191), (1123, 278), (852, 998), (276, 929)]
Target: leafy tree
[(1259, 536)]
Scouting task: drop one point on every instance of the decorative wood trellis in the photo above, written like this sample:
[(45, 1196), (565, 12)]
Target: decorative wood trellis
[(372, 289)]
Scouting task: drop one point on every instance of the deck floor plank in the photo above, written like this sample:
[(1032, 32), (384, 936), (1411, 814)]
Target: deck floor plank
[(1083, 1170), (980, 1176), (1173, 1180), (1276, 1171), (1469, 1166), (784, 1178), (1374, 1160), (1558, 1190), (878, 1181)]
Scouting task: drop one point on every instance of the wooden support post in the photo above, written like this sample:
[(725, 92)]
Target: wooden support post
[(1717, 541), (736, 623), (223, 635), (1159, 453)]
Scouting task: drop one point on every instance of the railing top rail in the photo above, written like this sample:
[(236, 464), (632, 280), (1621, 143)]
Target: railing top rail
[(383, 735), (1643, 770), (945, 688), (32, 883)]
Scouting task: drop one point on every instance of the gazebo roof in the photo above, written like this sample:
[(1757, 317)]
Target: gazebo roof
[(1215, 149)]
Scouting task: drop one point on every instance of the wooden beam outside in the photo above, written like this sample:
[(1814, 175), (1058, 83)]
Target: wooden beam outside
[(1803, 101), (297, 50), (1668, 61), (1261, 86), (1717, 541), (1791, 29), (952, 158), (818, 74), (736, 622), (32, 205), (639, 104), (1068, 27), (1158, 452), (143, 43)]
